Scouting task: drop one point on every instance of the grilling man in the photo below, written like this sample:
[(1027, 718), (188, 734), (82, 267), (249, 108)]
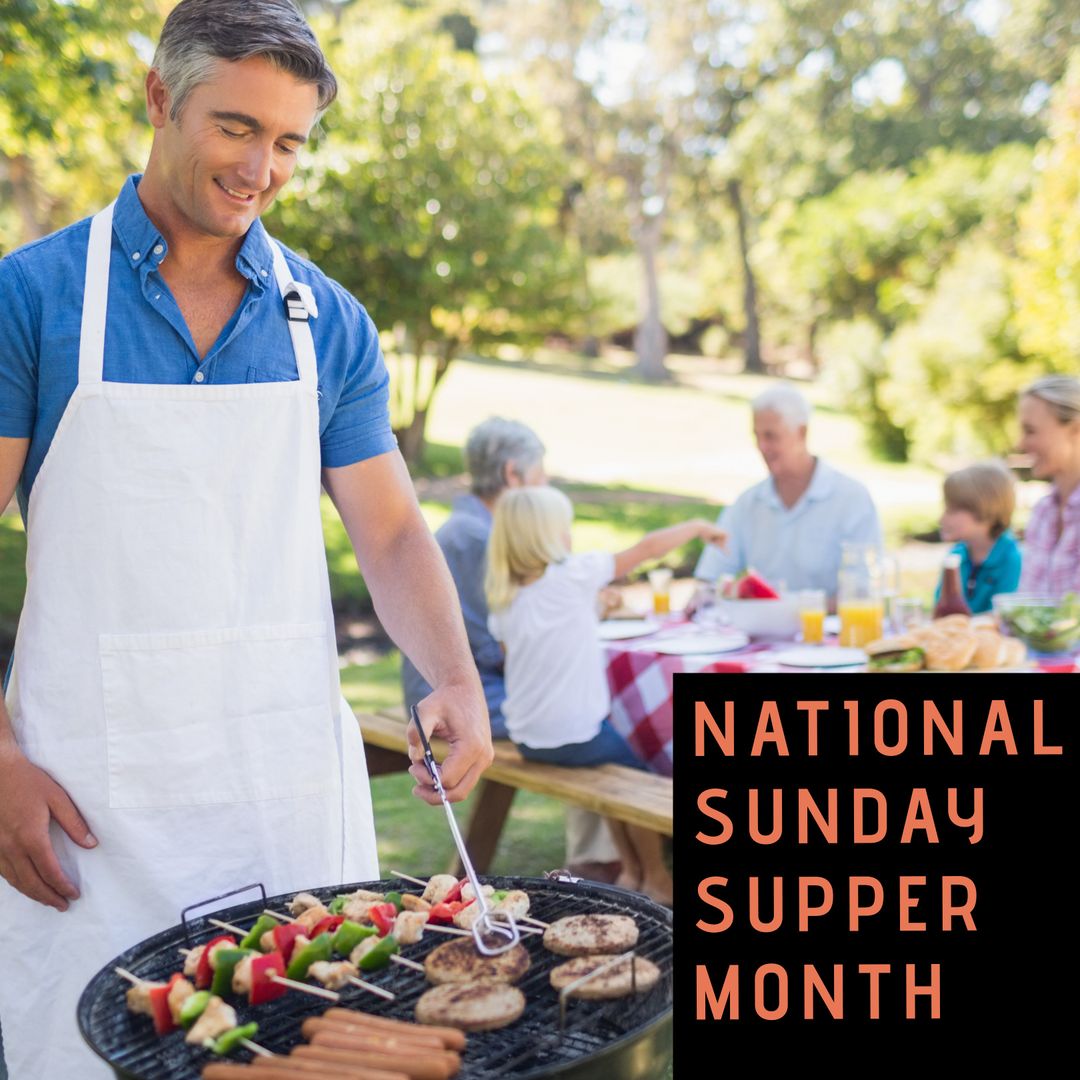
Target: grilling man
[(174, 384)]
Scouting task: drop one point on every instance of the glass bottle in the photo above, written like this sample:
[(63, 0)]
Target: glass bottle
[(951, 598)]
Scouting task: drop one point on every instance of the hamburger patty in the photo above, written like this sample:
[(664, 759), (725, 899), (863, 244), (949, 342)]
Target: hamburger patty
[(471, 1006), (459, 962), (618, 981), (588, 935)]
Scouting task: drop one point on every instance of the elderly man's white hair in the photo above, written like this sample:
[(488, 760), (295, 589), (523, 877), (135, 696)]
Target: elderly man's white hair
[(786, 400)]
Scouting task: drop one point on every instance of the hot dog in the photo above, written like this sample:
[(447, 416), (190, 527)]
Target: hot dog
[(452, 1038), (419, 1065)]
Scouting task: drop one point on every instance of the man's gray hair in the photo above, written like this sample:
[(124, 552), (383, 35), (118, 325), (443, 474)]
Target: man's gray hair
[(786, 400), (494, 444), (199, 33)]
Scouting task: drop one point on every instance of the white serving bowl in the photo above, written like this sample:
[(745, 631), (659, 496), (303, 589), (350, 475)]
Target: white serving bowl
[(761, 618)]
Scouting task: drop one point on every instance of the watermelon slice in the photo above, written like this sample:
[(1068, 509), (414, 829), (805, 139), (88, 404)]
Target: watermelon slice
[(754, 587)]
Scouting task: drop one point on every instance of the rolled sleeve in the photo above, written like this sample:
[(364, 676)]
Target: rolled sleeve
[(359, 427), (18, 353)]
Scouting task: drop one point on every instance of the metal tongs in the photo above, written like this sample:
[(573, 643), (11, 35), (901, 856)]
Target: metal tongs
[(491, 926)]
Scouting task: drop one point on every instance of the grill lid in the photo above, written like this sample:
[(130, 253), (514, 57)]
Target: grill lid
[(528, 1049)]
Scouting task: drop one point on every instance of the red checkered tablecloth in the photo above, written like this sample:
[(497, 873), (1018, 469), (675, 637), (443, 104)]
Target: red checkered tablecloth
[(640, 680)]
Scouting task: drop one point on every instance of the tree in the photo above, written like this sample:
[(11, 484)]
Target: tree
[(434, 196), (70, 100)]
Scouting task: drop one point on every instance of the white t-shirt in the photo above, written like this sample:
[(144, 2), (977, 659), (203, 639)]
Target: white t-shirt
[(556, 684)]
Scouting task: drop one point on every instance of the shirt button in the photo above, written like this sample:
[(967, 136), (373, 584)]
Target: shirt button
[(158, 249), (263, 272), (157, 296), (136, 255), (199, 376)]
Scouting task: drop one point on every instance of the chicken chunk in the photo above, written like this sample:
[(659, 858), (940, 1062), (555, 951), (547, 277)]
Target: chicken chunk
[(414, 903), (241, 978), (469, 893), (438, 887), (515, 904), (311, 917), (179, 992), (215, 949), (333, 974), (217, 1018), (191, 961), (356, 910), (409, 926), (138, 998), (302, 901), (363, 949)]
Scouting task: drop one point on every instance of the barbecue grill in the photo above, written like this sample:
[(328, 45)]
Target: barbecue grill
[(624, 1039)]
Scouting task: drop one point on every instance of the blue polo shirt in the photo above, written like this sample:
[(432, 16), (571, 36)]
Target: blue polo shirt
[(147, 341), (998, 573)]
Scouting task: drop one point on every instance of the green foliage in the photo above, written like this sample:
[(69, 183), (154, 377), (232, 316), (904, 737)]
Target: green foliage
[(1047, 273)]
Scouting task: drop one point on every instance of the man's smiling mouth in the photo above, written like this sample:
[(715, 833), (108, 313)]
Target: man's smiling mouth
[(233, 193)]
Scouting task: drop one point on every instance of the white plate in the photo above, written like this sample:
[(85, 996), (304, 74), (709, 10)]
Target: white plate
[(819, 656), (621, 629), (693, 644)]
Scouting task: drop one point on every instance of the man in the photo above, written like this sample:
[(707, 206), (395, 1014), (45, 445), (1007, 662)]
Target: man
[(499, 454), (789, 527), (172, 386)]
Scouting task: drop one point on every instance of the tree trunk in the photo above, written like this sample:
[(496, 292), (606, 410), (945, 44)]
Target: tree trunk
[(412, 439), (752, 346), (650, 338)]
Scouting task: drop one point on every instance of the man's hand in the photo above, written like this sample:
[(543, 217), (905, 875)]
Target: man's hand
[(458, 714), (31, 799)]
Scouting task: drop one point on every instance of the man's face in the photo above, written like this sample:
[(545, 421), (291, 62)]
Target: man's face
[(781, 445), (234, 144)]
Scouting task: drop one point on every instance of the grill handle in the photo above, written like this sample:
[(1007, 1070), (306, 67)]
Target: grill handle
[(213, 899)]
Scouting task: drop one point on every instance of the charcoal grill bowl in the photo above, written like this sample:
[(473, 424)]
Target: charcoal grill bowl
[(624, 1039)]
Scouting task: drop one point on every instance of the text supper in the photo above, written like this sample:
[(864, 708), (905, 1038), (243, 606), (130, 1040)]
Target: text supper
[(892, 732)]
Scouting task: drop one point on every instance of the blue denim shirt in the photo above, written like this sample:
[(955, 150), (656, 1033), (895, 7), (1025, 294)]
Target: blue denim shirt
[(463, 538), (147, 341)]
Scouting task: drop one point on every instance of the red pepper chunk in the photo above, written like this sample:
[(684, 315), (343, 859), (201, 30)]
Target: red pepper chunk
[(327, 926), (455, 893), (204, 973), (159, 1007), (444, 911), (382, 917), (285, 938), (264, 988)]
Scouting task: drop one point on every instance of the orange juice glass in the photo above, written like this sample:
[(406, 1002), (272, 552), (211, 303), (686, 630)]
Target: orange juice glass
[(861, 621), (812, 615), (660, 582)]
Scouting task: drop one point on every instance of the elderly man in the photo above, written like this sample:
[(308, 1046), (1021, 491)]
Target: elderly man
[(789, 527), (174, 387), (499, 454)]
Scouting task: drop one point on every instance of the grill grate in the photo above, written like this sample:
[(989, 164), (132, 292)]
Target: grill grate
[(528, 1049)]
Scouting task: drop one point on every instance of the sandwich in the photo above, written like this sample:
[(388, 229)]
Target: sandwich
[(895, 654)]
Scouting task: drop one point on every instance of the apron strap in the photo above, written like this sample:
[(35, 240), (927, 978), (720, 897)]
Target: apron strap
[(297, 315), (95, 298)]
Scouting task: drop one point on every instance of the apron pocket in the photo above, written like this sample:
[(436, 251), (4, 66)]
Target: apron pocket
[(218, 716)]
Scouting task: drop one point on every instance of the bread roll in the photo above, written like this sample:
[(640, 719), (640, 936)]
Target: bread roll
[(989, 650)]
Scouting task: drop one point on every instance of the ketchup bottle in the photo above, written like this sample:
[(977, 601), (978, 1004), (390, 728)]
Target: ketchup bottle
[(951, 598)]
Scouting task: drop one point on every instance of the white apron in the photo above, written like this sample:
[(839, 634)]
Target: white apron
[(175, 671)]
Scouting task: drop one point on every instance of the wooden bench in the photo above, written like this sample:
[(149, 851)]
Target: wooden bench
[(614, 791)]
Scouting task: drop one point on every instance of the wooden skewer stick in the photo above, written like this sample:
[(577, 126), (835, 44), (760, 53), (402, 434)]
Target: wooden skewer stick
[(372, 988), (535, 922), (255, 1048), (409, 877), (456, 931), (407, 963), (315, 991), (279, 916), (227, 926), (125, 974)]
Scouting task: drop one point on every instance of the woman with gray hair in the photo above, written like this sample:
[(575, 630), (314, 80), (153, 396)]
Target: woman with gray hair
[(499, 454), (1050, 433)]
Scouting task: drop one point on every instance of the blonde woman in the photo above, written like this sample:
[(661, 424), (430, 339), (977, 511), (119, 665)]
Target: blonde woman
[(542, 601), (1050, 433)]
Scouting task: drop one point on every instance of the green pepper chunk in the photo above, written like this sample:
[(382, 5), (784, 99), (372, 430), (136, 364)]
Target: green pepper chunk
[(193, 1007), (263, 925), (321, 948), (395, 899), (226, 961), (228, 1042), (379, 956), (499, 895), (337, 905), (349, 935)]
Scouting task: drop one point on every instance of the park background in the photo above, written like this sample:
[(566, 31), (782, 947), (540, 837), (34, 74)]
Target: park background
[(618, 221)]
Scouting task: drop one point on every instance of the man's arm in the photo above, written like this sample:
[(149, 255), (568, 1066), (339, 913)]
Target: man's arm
[(30, 797), (417, 604)]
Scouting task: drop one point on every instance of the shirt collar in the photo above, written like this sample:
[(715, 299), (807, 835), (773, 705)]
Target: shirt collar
[(821, 486), (472, 507), (144, 245), (1000, 550)]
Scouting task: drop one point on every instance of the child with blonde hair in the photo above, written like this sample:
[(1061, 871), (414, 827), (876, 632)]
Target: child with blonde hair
[(979, 502), (542, 600)]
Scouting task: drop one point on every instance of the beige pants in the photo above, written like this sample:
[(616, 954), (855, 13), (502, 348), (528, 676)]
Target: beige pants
[(588, 838)]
